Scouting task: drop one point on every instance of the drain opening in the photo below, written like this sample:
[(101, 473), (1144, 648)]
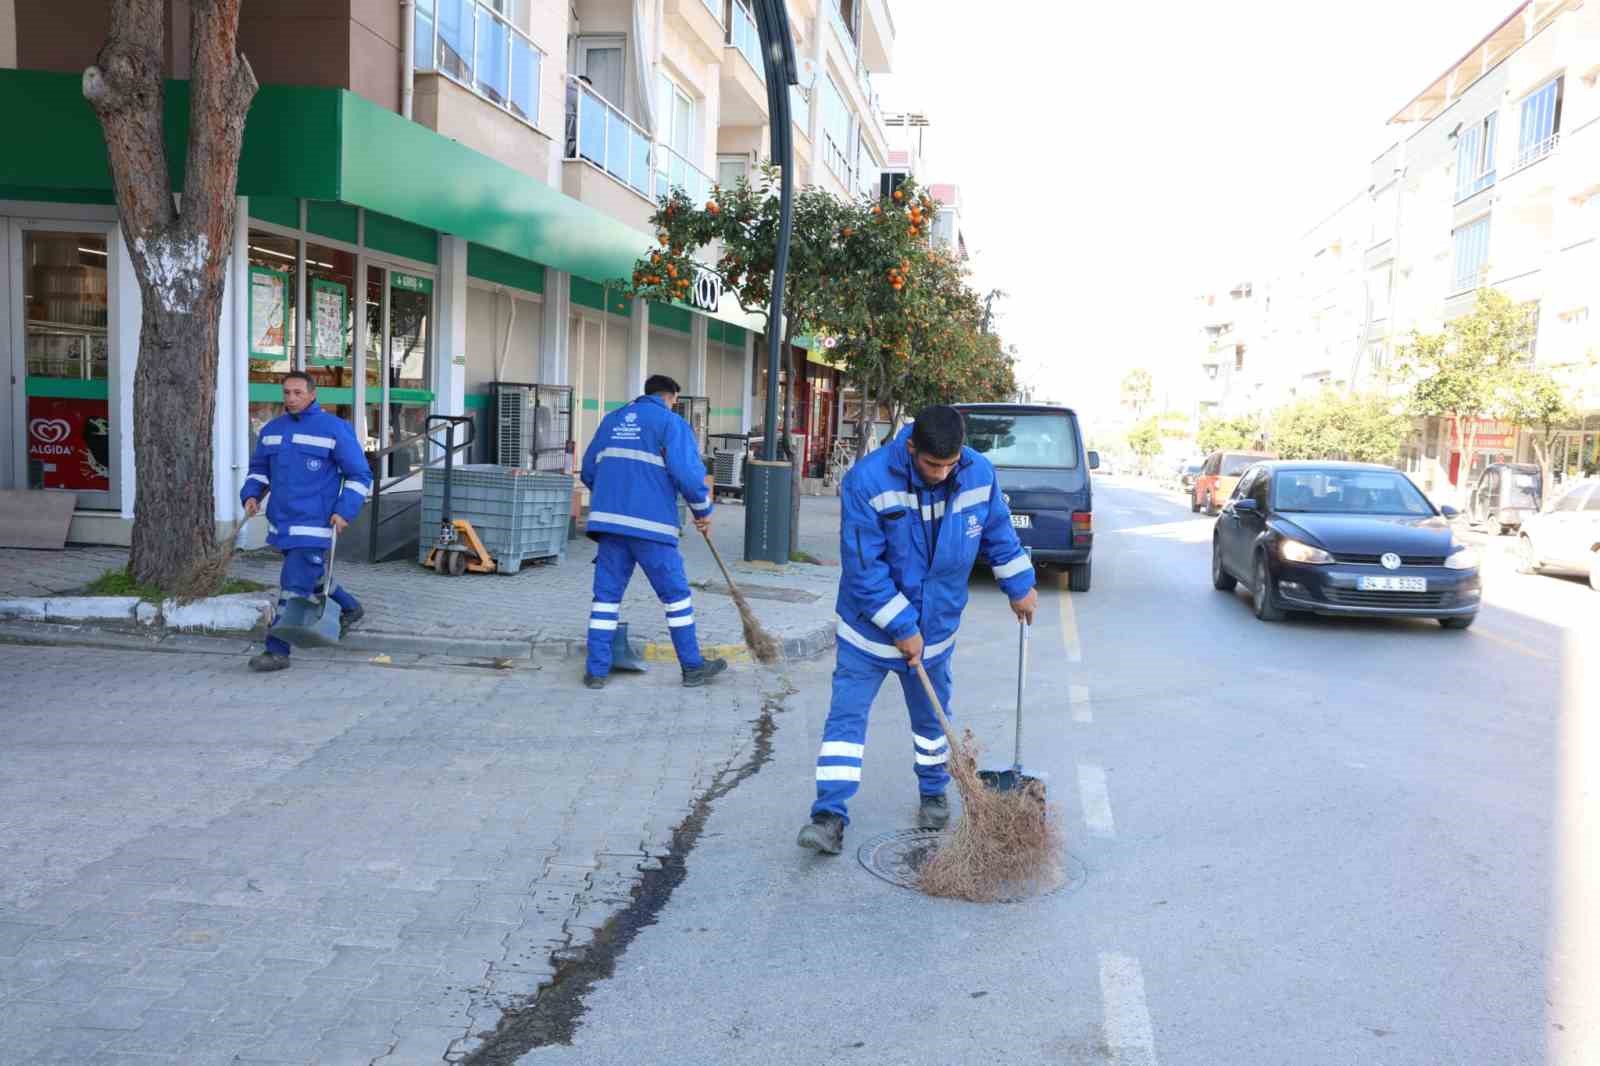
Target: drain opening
[(897, 858)]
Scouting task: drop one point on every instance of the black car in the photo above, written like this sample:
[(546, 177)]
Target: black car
[(1043, 469), (1342, 539)]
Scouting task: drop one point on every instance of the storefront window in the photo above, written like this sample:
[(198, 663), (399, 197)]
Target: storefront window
[(271, 323), (64, 279), (330, 327), (399, 364)]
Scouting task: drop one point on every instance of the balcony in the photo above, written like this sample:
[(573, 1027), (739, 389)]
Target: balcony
[(608, 157), (471, 44), (700, 21), (673, 171), (1532, 153), (744, 76)]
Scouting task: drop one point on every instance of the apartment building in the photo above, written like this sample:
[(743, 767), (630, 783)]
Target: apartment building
[(1494, 181), (434, 195)]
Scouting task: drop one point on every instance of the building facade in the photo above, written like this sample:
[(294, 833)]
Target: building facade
[(434, 196)]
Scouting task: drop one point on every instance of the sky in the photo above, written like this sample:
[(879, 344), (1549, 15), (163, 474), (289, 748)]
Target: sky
[(1117, 160)]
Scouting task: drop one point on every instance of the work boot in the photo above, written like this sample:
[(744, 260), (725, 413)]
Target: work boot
[(825, 834), (348, 620), (591, 681), (267, 663), (934, 812), (702, 674)]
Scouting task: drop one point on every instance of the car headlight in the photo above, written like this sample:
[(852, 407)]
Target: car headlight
[(1295, 552), (1462, 558)]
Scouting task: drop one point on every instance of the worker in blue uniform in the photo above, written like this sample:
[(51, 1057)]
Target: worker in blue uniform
[(314, 475), (917, 514), (642, 458)]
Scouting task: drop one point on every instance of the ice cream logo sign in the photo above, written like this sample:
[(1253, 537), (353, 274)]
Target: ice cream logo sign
[(50, 436)]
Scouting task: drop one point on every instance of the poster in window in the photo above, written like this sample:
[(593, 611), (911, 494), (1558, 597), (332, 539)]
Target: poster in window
[(269, 304), (329, 301)]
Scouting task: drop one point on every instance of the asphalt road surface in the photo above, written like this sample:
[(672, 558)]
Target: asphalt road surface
[(1314, 842)]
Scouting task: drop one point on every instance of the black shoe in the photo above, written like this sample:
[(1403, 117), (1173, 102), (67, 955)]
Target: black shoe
[(703, 674), (590, 681), (825, 834), (267, 663), (348, 619), (934, 812)]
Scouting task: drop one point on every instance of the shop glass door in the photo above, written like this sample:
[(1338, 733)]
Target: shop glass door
[(399, 364), (59, 296)]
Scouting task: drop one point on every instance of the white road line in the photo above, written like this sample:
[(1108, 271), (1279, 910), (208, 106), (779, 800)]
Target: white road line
[(1127, 1020), (1096, 801), (1069, 629), (1079, 697)]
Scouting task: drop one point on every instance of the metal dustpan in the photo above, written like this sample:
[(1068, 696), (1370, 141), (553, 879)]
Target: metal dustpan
[(623, 657), (1013, 778), (310, 621)]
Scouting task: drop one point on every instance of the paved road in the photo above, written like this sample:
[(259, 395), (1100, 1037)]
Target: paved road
[(1318, 842)]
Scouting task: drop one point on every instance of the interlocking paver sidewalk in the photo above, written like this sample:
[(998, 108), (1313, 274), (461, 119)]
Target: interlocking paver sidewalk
[(338, 864), (546, 604)]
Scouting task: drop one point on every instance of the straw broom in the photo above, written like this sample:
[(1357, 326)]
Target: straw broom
[(1004, 844), (761, 643)]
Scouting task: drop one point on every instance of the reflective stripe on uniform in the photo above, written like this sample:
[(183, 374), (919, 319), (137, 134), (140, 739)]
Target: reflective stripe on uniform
[(842, 749), (885, 501), (1014, 567), (701, 509), (973, 497), (889, 651), (929, 745), (323, 532), (264, 479), (358, 488), (602, 623), (272, 438), (629, 522), (605, 608), (890, 610), (933, 760), (679, 621), (318, 442), (681, 605), (838, 773), (636, 454)]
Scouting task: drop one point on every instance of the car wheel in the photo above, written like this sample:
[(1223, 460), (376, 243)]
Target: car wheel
[(1194, 504), (1078, 577), (1221, 580), (1461, 622), (1527, 556), (1266, 605)]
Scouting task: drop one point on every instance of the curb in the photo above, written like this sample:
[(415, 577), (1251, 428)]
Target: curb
[(122, 628), (238, 612)]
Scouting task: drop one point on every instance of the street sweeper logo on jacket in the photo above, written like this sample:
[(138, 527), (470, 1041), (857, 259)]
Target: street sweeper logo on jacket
[(313, 464), (974, 527)]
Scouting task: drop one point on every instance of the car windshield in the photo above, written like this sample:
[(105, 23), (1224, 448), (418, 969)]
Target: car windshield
[(1524, 490), (1042, 440), (1348, 492), (1235, 465), (1193, 468)]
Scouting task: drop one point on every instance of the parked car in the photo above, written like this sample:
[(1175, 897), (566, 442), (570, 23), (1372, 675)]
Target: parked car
[(1504, 495), (1043, 471), (1566, 537), (1218, 476), (1187, 477), (1343, 539)]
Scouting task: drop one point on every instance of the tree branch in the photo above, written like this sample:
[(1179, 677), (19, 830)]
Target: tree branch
[(126, 89)]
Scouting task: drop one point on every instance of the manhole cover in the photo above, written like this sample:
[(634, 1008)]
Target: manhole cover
[(897, 857)]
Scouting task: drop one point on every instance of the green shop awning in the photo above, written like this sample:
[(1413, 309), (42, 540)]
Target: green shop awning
[(334, 146)]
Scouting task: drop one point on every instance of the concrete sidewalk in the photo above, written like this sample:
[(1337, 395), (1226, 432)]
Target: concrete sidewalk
[(544, 608)]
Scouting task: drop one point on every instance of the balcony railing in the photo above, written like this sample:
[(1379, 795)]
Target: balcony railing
[(837, 161), (1538, 150), (673, 171), (846, 36), (599, 133), (472, 44), (743, 35), (1468, 184)]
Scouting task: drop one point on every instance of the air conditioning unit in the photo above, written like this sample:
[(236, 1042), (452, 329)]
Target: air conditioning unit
[(515, 426)]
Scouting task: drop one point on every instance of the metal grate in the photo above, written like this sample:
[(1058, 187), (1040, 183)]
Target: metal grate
[(1415, 600), (1405, 560)]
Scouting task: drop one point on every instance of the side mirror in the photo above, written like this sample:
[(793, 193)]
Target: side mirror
[(1094, 460), (1449, 512), (1245, 505)]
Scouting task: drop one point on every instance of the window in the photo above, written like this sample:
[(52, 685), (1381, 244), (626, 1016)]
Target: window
[(1573, 501), (836, 120), (1471, 255), (1541, 124), (1233, 464), (1023, 440), (1475, 158), (1258, 488), (1337, 491), (731, 169), (675, 116)]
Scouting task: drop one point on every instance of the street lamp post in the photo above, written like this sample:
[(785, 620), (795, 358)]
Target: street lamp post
[(768, 482)]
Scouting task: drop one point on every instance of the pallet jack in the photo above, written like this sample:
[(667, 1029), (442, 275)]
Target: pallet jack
[(457, 549)]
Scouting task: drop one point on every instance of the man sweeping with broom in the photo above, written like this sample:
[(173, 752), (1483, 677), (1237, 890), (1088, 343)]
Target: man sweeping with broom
[(917, 514)]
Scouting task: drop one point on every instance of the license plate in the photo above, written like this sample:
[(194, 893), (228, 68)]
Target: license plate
[(1394, 584), (1021, 521)]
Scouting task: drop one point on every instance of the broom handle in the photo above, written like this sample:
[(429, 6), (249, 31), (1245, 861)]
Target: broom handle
[(732, 588), (1022, 673), (938, 708)]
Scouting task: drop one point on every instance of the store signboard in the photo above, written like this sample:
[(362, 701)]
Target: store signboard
[(409, 282)]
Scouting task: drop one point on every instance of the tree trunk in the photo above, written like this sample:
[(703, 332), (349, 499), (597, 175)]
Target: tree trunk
[(180, 260), (1541, 455)]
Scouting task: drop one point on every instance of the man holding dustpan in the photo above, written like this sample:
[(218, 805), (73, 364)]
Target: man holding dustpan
[(916, 515)]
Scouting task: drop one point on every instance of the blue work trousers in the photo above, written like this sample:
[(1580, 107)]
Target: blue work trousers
[(302, 573), (857, 677), (663, 566)]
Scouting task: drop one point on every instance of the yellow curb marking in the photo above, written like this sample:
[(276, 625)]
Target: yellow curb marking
[(664, 652), (1069, 629)]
